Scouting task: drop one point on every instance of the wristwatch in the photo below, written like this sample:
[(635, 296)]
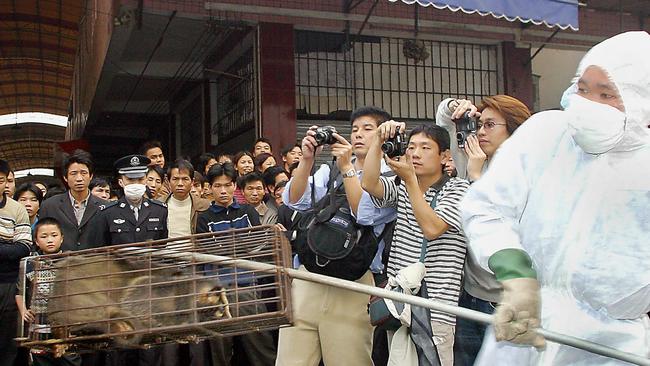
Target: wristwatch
[(350, 173)]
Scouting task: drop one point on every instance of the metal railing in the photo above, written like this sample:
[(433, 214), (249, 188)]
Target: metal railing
[(430, 304), (262, 252)]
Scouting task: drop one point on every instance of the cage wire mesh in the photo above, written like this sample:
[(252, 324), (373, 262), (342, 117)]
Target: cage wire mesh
[(176, 290)]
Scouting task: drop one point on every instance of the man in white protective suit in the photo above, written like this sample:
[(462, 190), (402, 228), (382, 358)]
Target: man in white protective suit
[(562, 217)]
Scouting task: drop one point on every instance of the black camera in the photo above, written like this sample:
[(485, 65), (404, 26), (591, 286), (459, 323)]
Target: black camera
[(465, 126), (325, 135), (395, 146)]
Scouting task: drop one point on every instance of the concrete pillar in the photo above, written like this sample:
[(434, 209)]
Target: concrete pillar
[(277, 84), (517, 73)]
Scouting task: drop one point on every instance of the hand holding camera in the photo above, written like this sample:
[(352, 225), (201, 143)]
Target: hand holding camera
[(327, 135), (464, 114), (324, 135), (389, 129), (315, 138), (396, 145)]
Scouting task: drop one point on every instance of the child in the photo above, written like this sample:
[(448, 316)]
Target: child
[(48, 238)]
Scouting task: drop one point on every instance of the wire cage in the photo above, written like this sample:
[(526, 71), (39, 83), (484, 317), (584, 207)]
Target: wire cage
[(176, 290)]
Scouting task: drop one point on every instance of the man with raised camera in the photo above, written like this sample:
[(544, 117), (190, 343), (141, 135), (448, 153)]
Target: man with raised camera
[(476, 134), (419, 180), (329, 322)]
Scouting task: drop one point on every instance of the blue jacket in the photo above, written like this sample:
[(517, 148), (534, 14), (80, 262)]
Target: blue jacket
[(218, 218)]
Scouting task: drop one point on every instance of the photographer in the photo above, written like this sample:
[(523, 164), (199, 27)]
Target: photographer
[(421, 178), (498, 117), (329, 322)]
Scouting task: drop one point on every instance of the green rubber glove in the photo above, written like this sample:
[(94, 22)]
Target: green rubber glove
[(518, 313)]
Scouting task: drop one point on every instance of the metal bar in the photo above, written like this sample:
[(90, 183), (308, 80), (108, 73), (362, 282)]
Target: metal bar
[(318, 84), (146, 65), (541, 47), (413, 300), (365, 20), (433, 103), (22, 274), (158, 100)]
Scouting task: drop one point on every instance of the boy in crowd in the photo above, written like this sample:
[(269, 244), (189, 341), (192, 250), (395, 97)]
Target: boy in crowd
[(226, 213), (421, 178), (48, 237), (15, 243), (291, 154), (100, 187), (10, 188), (197, 185), (273, 176), (154, 152), (262, 146), (252, 185)]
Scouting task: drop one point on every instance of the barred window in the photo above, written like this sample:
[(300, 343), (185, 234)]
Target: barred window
[(407, 78), (236, 98)]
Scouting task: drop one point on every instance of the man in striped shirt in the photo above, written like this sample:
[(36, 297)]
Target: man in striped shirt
[(15, 243), (421, 177)]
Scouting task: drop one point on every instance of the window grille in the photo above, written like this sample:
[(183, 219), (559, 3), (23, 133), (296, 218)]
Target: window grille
[(331, 77), (236, 100)]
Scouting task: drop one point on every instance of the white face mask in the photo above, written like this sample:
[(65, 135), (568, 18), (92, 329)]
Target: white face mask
[(566, 96), (134, 192), (595, 127)]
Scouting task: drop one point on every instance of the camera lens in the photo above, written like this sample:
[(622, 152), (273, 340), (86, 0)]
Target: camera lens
[(320, 137), (325, 135), (388, 147)]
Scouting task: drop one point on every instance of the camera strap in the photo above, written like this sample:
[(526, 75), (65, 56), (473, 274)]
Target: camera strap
[(334, 173)]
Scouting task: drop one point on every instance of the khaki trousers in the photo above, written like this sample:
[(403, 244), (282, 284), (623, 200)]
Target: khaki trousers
[(329, 322), (443, 338)]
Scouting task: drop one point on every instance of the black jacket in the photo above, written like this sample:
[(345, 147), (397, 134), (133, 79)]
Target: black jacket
[(219, 218), (75, 236), (117, 224)]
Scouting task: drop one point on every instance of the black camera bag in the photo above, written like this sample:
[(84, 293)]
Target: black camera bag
[(329, 241)]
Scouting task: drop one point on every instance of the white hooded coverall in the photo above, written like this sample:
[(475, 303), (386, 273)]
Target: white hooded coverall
[(584, 219)]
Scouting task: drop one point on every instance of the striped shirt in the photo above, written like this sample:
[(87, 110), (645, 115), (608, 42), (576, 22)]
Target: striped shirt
[(15, 237), (445, 255)]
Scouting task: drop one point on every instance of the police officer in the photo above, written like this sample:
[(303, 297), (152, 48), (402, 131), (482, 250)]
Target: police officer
[(131, 219), (134, 217)]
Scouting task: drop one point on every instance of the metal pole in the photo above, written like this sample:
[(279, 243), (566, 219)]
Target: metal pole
[(377, 291), (22, 274)]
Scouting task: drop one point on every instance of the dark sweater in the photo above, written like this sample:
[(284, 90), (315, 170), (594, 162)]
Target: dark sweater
[(219, 218)]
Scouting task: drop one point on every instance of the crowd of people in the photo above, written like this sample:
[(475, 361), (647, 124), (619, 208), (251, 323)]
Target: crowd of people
[(523, 209)]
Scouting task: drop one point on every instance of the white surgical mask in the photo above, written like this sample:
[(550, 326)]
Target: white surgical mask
[(134, 192), (595, 127), (566, 96)]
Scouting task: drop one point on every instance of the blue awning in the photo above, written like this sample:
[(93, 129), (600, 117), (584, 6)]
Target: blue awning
[(552, 13)]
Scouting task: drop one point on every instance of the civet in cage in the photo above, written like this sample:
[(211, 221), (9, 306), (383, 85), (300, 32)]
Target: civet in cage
[(136, 295)]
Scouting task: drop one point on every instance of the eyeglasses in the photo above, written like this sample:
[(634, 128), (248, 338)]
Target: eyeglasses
[(489, 125)]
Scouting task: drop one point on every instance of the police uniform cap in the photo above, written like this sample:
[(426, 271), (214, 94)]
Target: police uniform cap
[(132, 166)]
